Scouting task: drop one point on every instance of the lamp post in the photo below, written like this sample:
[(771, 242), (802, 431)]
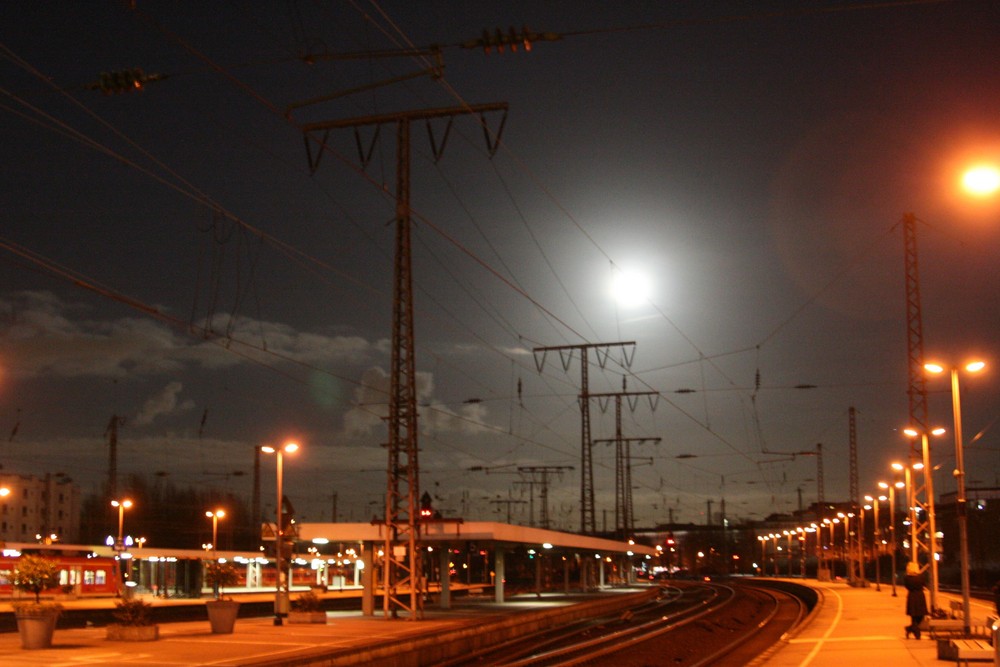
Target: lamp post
[(848, 557), (960, 500), (861, 542), (281, 577), (931, 518), (876, 539), (788, 556), (121, 506), (215, 516)]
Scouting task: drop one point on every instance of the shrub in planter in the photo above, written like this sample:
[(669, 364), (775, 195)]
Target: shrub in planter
[(221, 611), (134, 622), (36, 621), (307, 608)]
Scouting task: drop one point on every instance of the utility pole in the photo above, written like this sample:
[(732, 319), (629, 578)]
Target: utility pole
[(255, 516), (508, 502), (587, 519), (624, 516), (402, 572), (541, 476), (819, 474), (917, 395), (112, 434), (531, 499)]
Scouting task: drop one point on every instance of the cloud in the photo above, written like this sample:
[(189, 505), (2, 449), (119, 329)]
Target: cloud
[(163, 403), (371, 408), (46, 336)]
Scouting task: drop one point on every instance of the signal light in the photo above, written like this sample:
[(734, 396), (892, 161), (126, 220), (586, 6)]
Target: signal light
[(426, 506), (513, 39), (124, 81)]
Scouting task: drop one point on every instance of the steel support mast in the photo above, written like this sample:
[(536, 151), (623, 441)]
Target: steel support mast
[(402, 572), (917, 395), (587, 519)]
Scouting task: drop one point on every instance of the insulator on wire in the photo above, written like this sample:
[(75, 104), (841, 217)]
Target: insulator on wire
[(124, 81), (499, 40)]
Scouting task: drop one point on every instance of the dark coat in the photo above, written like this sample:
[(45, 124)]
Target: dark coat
[(916, 604)]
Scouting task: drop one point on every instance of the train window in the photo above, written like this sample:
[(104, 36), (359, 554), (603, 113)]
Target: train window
[(102, 577), (88, 578)]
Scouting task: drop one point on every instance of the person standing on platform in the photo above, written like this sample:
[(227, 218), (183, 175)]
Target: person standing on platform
[(916, 604)]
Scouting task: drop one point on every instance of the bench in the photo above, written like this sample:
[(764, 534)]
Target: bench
[(971, 649), (946, 628)]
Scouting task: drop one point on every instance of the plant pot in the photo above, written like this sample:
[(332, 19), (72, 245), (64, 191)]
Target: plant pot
[(222, 615), (133, 633), (36, 627), (307, 617)]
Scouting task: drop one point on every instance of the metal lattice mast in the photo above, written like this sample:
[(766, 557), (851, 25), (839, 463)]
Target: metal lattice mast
[(624, 514), (402, 572), (587, 518), (916, 389), (853, 442), (543, 477), (820, 499)]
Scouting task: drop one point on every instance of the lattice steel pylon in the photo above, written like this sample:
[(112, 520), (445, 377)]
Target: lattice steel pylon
[(624, 511), (917, 395), (587, 518), (402, 571)]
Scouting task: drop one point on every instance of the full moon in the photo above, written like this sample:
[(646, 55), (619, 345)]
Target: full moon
[(982, 181), (631, 288)]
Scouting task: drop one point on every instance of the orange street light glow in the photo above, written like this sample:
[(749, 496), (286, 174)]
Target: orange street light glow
[(981, 180)]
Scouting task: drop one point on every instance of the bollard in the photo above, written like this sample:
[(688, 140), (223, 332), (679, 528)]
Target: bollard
[(995, 630)]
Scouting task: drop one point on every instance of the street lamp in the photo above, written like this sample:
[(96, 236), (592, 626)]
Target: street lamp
[(960, 500), (877, 540), (788, 556), (122, 505), (281, 581), (215, 516), (929, 492)]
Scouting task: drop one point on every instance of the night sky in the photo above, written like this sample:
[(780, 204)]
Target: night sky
[(168, 255)]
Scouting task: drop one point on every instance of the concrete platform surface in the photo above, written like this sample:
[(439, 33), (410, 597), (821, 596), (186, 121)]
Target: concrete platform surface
[(257, 641), (862, 627)]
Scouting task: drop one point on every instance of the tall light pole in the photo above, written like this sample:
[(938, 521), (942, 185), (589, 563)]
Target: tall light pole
[(861, 539), (877, 541), (215, 516), (121, 506), (960, 500), (281, 577), (929, 492)]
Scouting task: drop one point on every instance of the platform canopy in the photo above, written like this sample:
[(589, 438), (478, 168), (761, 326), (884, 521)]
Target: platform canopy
[(480, 532)]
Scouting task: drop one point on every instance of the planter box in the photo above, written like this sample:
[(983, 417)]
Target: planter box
[(36, 628), (307, 617), (133, 633), (222, 615)]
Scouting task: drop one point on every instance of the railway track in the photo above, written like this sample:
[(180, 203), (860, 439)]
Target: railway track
[(697, 623)]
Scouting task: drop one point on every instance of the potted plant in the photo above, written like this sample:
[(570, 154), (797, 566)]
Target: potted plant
[(307, 608), (222, 611), (36, 621), (135, 624)]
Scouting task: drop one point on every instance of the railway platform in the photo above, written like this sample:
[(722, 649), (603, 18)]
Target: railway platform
[(348, 638), (850, 627), (858, 627)]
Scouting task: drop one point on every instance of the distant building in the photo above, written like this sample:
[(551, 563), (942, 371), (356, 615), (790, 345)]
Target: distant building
[(39, 509), (983, 531)]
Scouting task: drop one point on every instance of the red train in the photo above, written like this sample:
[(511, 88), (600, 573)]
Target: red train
[(78, 575)]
